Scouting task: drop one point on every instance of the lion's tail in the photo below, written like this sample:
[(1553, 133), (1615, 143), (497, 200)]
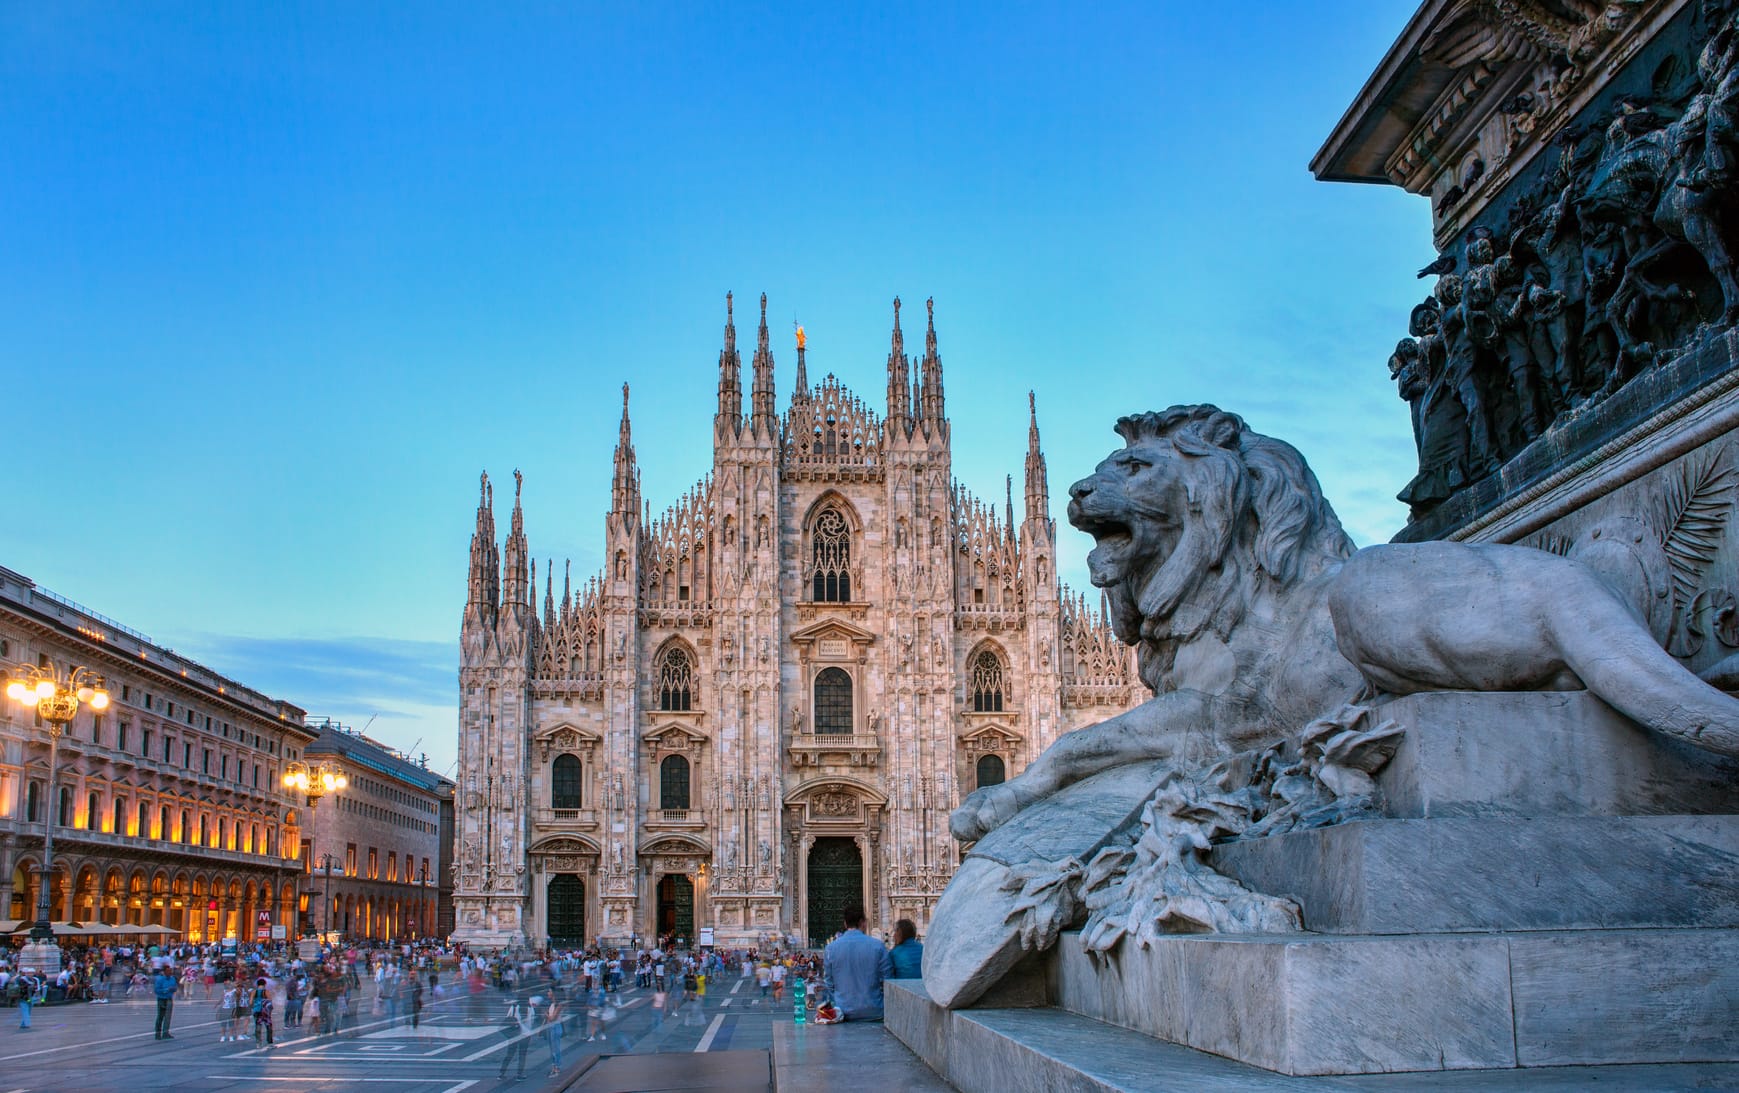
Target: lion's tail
[(1614, 656)]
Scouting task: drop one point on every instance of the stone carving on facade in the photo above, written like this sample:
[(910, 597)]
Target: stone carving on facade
[(1614, 261), (834, 805), (1202, 526)]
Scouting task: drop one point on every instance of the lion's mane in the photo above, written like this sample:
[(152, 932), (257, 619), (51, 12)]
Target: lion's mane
[(1257, 525)]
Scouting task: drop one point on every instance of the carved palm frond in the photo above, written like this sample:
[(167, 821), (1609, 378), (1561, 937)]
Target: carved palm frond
[(1548, 542), (1690, 514)]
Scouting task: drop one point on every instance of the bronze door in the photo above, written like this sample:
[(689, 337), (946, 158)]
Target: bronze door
[(567, 911), (835, 880), (676, 907)]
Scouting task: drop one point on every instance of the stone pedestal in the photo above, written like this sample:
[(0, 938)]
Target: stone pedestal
[(43, 956), (1548, 885)]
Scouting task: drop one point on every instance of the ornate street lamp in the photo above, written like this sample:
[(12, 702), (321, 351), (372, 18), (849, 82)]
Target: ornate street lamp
[(314, 781), (55, 698)]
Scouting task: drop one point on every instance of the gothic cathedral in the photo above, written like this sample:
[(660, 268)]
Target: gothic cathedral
[(769, 701)]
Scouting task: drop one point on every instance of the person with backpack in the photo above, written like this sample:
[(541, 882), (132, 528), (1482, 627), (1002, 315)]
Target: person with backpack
[(28, 985), (260, 1005)]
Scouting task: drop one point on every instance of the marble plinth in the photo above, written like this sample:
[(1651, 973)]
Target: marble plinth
[(1041, 1051), (1319, 1004), (1499, 873), (1543, 753)]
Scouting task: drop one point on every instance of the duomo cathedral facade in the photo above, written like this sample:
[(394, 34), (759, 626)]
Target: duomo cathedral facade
[(771, 698)]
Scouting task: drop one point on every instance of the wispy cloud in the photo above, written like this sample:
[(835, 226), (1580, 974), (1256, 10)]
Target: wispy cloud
[(408, 688)]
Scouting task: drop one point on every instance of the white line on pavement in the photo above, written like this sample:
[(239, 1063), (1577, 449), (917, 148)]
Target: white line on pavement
[(739, 986), (726, 1002), (706, 1042), (454, 1088)]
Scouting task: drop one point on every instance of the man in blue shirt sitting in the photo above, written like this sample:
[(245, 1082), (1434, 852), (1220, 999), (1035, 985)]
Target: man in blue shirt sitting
[(856, 964)]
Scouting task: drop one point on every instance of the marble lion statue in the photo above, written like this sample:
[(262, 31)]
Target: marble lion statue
[(1252, 613)]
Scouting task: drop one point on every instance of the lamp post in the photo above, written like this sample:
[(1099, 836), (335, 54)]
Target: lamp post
[(314, 781), (423, 900), (326, 863), (55, 698)]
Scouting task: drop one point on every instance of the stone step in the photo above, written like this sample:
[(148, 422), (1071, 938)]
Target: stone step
[(1043, 1050), (1463, 874), (1543, 753), (1325, 1004)]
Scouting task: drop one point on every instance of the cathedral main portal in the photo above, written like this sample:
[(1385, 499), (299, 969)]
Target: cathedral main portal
[(835, 881), (567, 911), (676, 907)]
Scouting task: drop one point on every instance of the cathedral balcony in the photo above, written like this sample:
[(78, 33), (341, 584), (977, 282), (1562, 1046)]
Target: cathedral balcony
[(986, 616), (587, 685), (835, 749), (679, 615), (1082, 695), (567, 819), (810, 610), (691, 818)]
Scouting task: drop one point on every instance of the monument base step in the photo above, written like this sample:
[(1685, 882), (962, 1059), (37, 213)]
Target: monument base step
[(1032, 1050), (1499, 873), (1327, 1004)]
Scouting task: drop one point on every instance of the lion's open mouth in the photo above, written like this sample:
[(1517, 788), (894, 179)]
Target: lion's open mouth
[(1111, 540)]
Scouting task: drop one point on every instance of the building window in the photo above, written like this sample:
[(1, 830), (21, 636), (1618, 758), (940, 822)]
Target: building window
[(392, 865), (565, 782), (120, 827), (144, 831), (350, 859), (833, 701), (121, 736), (830, 558), (97, 729), (673, 782), (675, 679), (32, 802), (64, 812), (987, 683), (162, 821), (991, 771), (373, 864), (206, 769), (185, 831), (145, 743), (93, 814)]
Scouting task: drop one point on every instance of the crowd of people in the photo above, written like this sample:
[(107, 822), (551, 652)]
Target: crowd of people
[(546, 996)]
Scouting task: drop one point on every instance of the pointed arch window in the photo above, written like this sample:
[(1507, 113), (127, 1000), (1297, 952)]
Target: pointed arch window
[(673, 782), (565, 782), (830, 558), (987, 683), (675, 679), (833, 702)]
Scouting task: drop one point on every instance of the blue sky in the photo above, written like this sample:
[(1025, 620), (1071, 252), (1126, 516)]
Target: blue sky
[(281, 279)]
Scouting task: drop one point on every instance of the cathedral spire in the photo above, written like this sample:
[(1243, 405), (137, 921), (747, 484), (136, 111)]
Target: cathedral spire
[(930, 402), (899, 374), (567, 586), (730, 411), (761, 413), (549, 595), (625, 488), (801, 387), (1008, 504), (1038, 490), (485, 583), (515, 585)]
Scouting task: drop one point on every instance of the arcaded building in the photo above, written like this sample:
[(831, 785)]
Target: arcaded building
[(768, 702), (166, 806)]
